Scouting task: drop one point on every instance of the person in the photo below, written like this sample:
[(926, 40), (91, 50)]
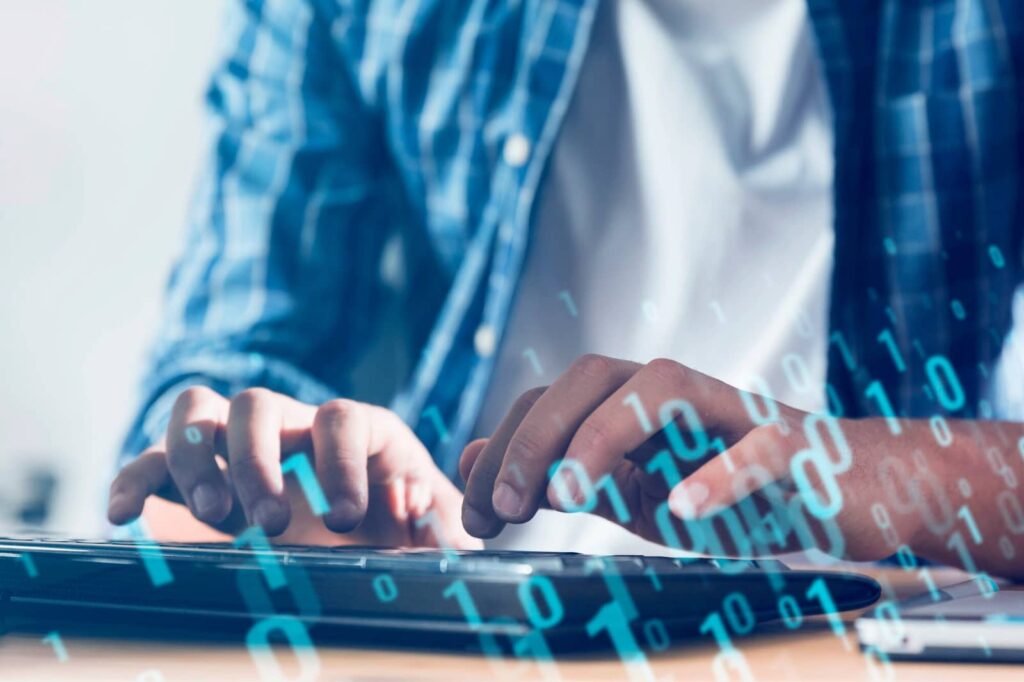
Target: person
[(736, 277)]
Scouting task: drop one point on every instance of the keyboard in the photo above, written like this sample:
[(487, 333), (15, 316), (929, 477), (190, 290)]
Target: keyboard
[(422, 597), (449, 561)]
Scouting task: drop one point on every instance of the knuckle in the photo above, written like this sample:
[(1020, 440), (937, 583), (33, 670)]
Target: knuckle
[(123, 483), (334, 413), (762, 446), (387, 421), (592, 436), (526, 445), (250, 398), (767, 437), (527, 399), (593, 365), (192, 396), (668, 370)]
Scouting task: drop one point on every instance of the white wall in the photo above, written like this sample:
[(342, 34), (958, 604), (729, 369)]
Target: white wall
[(100, 136)]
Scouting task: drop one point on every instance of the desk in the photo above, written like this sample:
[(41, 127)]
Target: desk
[(810, 654)]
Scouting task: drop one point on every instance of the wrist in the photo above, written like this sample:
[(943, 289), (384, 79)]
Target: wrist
[(946, 467)]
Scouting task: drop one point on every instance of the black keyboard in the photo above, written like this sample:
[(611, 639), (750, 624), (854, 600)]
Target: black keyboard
[(395, 596), (393, 559)]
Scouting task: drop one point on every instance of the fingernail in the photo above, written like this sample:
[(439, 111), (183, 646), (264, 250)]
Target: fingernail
[(571, 497), (269, 514), (205, 500), (475, 523), (119, 506), (507, 501), (345, 515), (397, 499), (420, 499), (687, 499)]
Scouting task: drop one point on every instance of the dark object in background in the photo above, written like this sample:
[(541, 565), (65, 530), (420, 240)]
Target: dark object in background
[(26, 496), (40, 489)]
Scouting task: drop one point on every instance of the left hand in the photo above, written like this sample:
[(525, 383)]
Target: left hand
[(224, 460), (623, 435)]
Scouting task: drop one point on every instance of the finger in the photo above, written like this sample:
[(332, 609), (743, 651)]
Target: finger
[(752, 480), (544, 434), (394, 450), (478, 515), (469, 455), (341, 440), (360, 445), (436, 517), (198, 416), (757, 461), (614, 428), (419, 498), (254, 427), (396, 498), (139, 479)]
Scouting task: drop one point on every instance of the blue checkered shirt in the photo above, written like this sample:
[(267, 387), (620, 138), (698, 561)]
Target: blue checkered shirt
[(342, 128)]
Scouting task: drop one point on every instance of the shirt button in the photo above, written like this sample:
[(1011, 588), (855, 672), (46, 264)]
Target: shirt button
[(484, 340), (516, 151)]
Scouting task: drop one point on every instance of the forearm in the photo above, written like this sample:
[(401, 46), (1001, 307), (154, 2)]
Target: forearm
[(975, 518)]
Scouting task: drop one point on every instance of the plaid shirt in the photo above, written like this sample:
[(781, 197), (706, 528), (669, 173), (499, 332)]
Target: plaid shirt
[(339, 124)]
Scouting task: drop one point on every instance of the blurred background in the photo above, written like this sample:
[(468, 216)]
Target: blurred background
[(101, 131)]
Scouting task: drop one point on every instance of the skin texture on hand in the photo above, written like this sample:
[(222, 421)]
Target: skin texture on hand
[(173, 522), (902, 489), (599, 419), (688, 461), (222, 459), (584, 418)]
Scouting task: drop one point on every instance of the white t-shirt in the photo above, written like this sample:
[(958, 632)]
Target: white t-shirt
[(687, 213)]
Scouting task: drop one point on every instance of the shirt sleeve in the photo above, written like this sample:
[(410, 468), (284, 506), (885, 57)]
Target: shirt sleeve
[(277, 282)]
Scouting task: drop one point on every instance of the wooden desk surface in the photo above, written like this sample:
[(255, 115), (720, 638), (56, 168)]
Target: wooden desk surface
[(811, 653)]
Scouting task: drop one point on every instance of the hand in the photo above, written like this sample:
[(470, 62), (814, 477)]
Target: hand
[(596, 422), (223, 459), (849, 487), (614, 437)]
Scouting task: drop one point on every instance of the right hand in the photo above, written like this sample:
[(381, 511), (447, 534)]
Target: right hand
[(222, 458)]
